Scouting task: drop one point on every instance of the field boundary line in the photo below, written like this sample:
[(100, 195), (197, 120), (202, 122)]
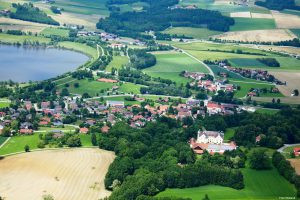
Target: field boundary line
[(253, 82), (4, 142), (49, 149)]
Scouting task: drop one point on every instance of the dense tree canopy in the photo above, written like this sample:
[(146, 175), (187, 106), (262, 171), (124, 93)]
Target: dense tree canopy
[(28, 12), (278, 4), (159, 17), (158, 156)]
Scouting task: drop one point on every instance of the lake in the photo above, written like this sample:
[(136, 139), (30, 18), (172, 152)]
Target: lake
[(24, 64)]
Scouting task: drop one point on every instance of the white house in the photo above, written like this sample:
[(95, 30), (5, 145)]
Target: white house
[(210, 137)]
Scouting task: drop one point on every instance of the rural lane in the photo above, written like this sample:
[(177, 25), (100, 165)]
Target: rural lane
[(200, 61), (281, 149)]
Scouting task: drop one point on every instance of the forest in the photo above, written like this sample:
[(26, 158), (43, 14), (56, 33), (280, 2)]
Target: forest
[(28, 12), (278, 4), (271, 62), (159, 16), (158, 157), (274, 130), (140, 59)]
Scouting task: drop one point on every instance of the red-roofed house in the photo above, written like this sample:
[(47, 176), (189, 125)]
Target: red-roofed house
[(213, 108), (105, 129), (84, 130), (26, 131), (297, 151)]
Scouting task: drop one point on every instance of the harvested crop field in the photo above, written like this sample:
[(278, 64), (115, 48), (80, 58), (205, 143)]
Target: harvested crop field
[(258, 35), (296, 164), (241, 14), (25, 26), (261, 16), (286, 20), (292, 79), (64, 174)]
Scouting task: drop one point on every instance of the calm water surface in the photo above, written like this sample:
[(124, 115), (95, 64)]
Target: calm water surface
[(23, 64)]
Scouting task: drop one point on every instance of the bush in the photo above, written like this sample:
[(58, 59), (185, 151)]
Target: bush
[(26, 148), (258, 159)]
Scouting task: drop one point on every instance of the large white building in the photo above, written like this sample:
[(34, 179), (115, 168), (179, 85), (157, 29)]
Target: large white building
[(210, 137)]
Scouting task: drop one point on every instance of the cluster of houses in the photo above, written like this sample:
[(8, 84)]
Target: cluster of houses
[(110, 112), (187, 7), (257, 74), (212, 86), (212, 142), (120, 42)]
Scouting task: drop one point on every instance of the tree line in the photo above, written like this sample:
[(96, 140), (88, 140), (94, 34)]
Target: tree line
[(28, 12)]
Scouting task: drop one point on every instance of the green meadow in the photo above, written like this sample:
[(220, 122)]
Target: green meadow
[(87, 7), (130, 88), (21, 38), (247, 24), (4, 104), (259, 185), (55, 31), (246, 86), (245, 62), (229, 133), (117, 62), (17, 144), (87, 86), (122, 98), (207, 51), (169, 66), (296, 32), (197, 33), (90, 51)]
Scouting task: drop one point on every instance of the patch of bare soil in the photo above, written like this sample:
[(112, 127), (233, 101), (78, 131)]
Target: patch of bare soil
[(68, 174)]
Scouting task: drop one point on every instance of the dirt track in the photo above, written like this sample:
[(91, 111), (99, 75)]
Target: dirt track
[(296, 164), (65, 174), (292, 79)]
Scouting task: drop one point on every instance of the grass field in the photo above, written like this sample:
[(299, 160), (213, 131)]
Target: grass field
[(246, 24), (87, 7), (2, 140), (296, 32), (90, 51), (232, 75), (128, 103), (259, 185), (55, 31), (85, 140), (17, 144), (117, 62), (285, 100), (91, 87), (267, 111), (197, 33), (65, 129), (4, 104), (229, 133), (245, 62), (130, 88), (200, 51), (169, 66), (16, 38), (246, 86)]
